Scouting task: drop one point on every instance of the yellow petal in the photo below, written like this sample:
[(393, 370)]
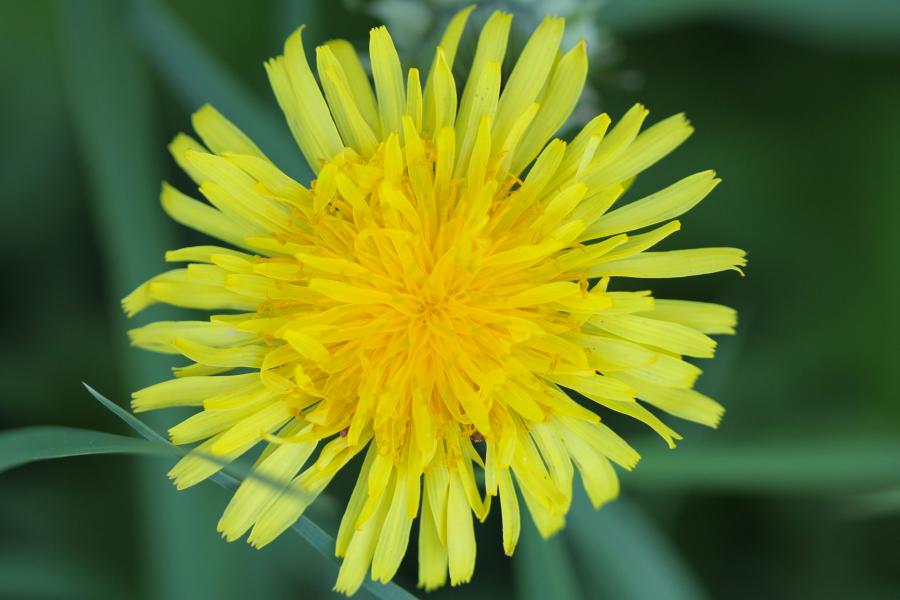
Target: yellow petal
[(260, 489), (674, 337), (682, 402), (703, 316), (394, 536), (488, 57), (446, 51), (357, 80), (178, 148), (221, 135), (648, 148), (414, 98), (187, 391), (388, 77), (509, 506), (674, 263), (361, 550), (353, 126), (302, 103), (666, 204), (432, 551), (202, 217), (529, 75), (460, 534)]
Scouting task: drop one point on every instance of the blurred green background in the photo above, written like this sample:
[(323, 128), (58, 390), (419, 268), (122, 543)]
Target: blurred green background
[(796, 105)]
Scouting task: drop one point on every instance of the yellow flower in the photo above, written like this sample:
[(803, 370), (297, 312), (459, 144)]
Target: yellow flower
[(429, 301)]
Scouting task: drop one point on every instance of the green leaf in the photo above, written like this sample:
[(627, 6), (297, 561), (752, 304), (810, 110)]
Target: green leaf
[(197, 77), (308, 530), (543, 568), (110, 96), (791, 464), (110, 101), (623, 556), (144, 430), (22, 446)]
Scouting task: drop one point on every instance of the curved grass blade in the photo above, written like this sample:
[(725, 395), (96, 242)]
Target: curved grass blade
[(232, 473), (624, 556), (308, 530), (196, 77), (141, 428), (30, 444)]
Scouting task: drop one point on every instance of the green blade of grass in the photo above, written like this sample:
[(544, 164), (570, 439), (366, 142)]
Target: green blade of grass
[(115, 126), (109, 95), (543, 568), (141, 428), (308, 530), (790, 464), (196, 77), (30, 444), (623, 556)]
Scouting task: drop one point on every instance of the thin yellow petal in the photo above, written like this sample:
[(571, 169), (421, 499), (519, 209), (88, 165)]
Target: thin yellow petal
[(703, 316), (201, 217), (529, 75), (351, 123), (482, 103), (557, 103), (301, 101), (432, 551), (460, 534), (388, 77), (178, 148), (666, 204), (447, 46), (488, 57), (221, 135), (674, 263), (357, 80), (414, 98)]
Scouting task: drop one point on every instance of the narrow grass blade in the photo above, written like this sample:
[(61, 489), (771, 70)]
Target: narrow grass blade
[(230, 478), (30, 444), (110, 96), (623, 556), (826, 464), (144, 430), (543, 568), (197, 77)]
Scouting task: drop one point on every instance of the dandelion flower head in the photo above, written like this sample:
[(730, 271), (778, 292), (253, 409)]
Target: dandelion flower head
[(436, 301)]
